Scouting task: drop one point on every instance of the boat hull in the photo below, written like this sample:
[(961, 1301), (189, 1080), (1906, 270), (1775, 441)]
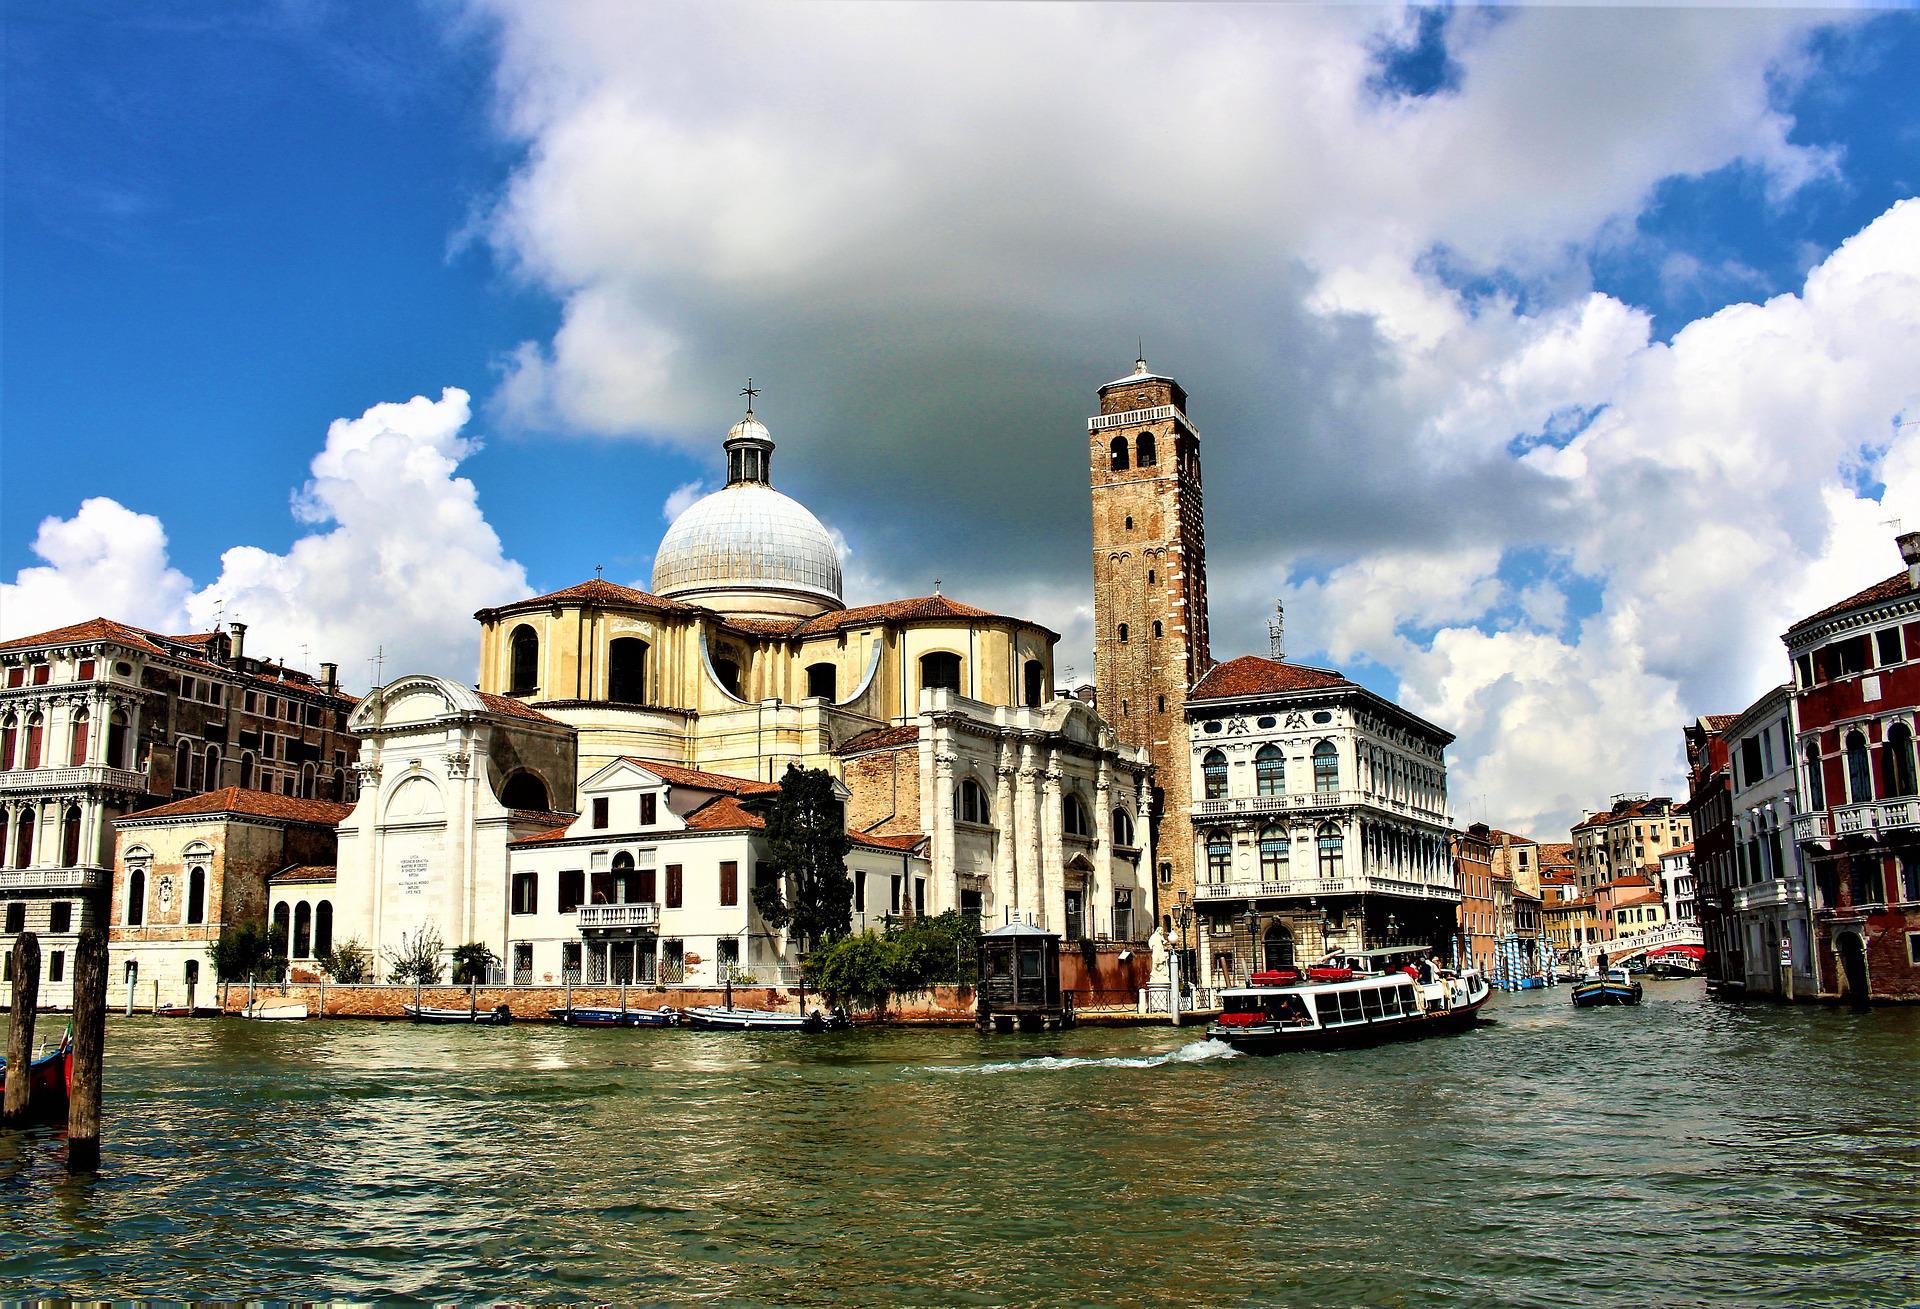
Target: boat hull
[(714, 1018), (1589, 995), (50, 1078), (579, 1017), (1275, 1039), (277, 1013), (498, 1017)]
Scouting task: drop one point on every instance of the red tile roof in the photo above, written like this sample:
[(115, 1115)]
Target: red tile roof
[(512, 708), (556, 834), (1252, 675), (880, 738), (724, 813), (1631, 879), (1892, 589), (775, 627), (305, 873), (679, 775), (94, 629), (259, 804), (594, 591), (1681, 849), (138, 638), (919, 609), (897, 841)]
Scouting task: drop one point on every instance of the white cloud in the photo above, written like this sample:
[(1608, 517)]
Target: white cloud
[(400, 557), (681, 498)]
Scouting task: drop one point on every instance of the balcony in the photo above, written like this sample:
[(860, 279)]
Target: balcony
[(624, 917), (56, 879), (19, 781), (1858, 820), (1255, 889), (1774, 894)]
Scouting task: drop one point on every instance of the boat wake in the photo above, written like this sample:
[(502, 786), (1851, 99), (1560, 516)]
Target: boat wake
[(1194, 1052)]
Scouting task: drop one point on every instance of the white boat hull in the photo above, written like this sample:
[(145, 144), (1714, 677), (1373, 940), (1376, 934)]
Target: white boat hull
[(268, 1013)]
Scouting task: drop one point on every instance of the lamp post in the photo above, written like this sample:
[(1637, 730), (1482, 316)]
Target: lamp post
[(1252, 920), (1182, 915)]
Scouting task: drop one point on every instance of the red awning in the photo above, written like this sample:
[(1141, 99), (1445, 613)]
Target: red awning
[(1697, 952)]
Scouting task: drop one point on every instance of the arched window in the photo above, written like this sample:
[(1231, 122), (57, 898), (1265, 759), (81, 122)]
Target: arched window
[(822, 682), (1122, 827), (136, 897), (183, 765), (1035, 683), (282, 928), (1859, 769), (1123, 634), (1144, 450), (940, 671), (192, 973), (627, 670), (307, 777), (9, 740), (1073, 816), (1276, 854), (729, 674), (70, 838), (524, 658), (323, 929), (1270, 771), (1277, 946), (1213, 772), (196, 895), (1157, 630), (6, 817), (337, 789), (213, 768), (1899, 760), (523, 790), (1219, 856), (77, 751), (302, 930), (36, 727), (23, 838), (117, 740), (246, 771), (970, 803), (1816, 784), (1332, 851), (1117, 454), (1326, 769)]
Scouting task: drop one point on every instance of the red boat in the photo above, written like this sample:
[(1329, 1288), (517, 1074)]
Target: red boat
[(50, 1077)]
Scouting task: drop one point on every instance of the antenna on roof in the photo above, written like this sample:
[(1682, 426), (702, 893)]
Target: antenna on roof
[(379, 662), (1277, 632)]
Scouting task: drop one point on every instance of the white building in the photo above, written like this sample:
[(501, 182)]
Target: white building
[(1769, 919), (1320, 819), (1678, 885)]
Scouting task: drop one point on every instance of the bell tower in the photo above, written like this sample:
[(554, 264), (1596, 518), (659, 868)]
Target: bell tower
[(1150, 593)]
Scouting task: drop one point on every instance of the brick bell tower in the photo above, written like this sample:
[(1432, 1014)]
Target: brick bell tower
[(1150, 594)]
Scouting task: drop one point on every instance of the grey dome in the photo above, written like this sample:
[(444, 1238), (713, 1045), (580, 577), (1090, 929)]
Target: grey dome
[(748, 537)]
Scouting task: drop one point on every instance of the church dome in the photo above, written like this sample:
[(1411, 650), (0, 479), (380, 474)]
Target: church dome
[(750, 541)]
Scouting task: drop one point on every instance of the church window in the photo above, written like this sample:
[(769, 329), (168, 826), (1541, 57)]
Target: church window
[(323, 929), (1036, 683), (1213, 771), (1117, 455), (136, 897), (1219, 856), (970, 803), (822, 682), (197, 895), (1332, 851), (77, 751), (1144, 451), (1859, 769), (524, 791), (1122, 827), (524, 673), (1270, 771), (1156, 629), (1123, 634), (303, 931), (70, 838), (1326, 769), (1073, 816), (627, 670), (1275, 852), (940, 671), (729, 674), (1129, 522)]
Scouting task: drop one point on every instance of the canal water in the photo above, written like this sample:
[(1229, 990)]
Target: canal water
[(1684, 1153)]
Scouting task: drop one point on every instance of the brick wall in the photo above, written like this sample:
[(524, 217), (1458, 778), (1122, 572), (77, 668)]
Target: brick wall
[(885, 788), (944, 1004)]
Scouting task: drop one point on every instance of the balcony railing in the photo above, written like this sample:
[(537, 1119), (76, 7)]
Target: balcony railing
[(1858, 820), (1769, 895), (1292, 802), (1248, 888), (55, 879), (16, 780), (619, 915)]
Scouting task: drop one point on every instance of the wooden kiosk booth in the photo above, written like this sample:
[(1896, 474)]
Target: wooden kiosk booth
[(1020, 981)]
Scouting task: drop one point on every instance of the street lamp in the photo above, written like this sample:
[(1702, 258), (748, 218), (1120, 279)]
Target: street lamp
[(1182, 916), (1252, 920)]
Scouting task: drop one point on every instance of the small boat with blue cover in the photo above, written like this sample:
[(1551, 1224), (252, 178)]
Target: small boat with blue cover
[(1606, 986)]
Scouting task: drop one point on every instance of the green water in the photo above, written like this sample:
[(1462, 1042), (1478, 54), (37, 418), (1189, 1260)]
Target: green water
[(1685, 1153)]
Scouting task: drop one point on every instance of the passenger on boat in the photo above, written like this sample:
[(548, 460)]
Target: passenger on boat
[(1293, 1012)]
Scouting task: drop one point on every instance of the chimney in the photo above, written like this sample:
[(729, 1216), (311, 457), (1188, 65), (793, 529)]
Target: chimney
[(330, 677), (239, 631), (1909, 543)]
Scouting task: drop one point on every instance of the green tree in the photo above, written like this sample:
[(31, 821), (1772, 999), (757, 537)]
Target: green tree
[(811, 895), (943, 948), (418, 958), (348, 963), (250, 952), (859, 971), (867, 969), (472, 962)]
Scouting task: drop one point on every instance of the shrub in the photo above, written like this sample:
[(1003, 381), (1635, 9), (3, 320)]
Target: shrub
[(348, 963), (418, 958), (472, 962)]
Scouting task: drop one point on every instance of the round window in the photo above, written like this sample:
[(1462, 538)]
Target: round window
[(1267, 722), (1323, 717), (1210, 727)]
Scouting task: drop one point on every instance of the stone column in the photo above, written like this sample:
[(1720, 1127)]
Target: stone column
[(1027, 852), (942, 871), (1006, 881), (1100, 881), (1053, 871)]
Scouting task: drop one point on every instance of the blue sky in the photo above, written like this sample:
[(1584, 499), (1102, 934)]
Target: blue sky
[(228, 227)]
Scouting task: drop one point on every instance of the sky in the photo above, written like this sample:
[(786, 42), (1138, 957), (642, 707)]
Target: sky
[(1548, 361)]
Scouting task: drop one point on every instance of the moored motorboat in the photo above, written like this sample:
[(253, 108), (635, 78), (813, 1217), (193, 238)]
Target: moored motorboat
[(265, 1012), (49, 1079), (497, 1016), (1363, 1007), (726, 1018), (590, 1016), (1606, 986)]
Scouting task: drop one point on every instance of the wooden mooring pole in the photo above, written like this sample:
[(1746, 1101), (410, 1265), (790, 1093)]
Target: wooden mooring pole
[(26, 1000), (89, 1045)]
